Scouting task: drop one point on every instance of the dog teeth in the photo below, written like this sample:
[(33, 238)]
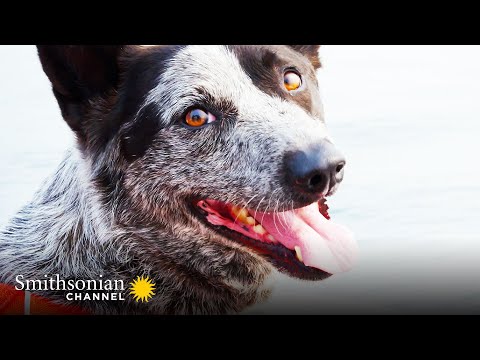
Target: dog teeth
[(241, 214), (298, 252), (259, 229)]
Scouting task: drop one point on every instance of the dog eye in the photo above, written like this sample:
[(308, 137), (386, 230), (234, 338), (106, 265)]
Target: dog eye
[(198, 117), (292, 80)]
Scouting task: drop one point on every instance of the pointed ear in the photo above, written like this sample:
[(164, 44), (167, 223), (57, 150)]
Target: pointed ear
[(78, 73), (311, 52)]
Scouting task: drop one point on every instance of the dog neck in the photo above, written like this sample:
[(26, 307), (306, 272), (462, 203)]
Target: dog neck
[(68, 230), (57, 228)]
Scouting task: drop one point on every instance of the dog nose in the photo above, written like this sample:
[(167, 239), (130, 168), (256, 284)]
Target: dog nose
[(315, 170)]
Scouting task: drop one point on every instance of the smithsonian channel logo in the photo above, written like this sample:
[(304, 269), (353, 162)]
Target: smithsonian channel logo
[(141, 288)]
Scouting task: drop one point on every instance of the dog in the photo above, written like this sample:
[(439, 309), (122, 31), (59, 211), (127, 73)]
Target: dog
[(203, 168)]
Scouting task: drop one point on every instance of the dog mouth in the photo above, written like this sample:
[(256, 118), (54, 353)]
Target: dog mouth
[(302, 242)]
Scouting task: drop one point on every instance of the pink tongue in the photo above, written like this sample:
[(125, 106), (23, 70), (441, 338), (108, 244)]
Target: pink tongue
[(324, 244)]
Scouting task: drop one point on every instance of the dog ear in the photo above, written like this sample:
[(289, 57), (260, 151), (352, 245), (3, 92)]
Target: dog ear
[(311, 52), (78, 73)]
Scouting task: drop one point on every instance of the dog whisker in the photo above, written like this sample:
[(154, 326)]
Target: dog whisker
[(244, 207), (285, 226), (258, 205), (274, 212), (268, 207)]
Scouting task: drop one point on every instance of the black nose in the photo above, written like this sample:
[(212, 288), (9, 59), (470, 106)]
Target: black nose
[(315, 170)]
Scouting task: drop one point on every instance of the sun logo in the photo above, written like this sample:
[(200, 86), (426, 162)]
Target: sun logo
[(142, 289)]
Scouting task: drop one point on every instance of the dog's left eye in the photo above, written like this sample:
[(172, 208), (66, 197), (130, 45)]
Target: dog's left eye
[(292, 80), (197, 117)]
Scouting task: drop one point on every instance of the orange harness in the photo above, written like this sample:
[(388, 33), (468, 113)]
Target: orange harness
[(17, 302)]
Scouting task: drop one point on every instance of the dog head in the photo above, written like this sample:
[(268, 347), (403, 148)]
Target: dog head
[(220, 147)]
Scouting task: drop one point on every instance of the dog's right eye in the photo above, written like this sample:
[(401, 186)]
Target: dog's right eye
[(292, 80), (198, 117)]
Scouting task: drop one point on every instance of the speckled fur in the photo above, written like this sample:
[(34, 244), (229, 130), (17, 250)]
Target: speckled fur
[(121, 213)]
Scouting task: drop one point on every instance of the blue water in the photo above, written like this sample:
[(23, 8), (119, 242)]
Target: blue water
[(407, 118)]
